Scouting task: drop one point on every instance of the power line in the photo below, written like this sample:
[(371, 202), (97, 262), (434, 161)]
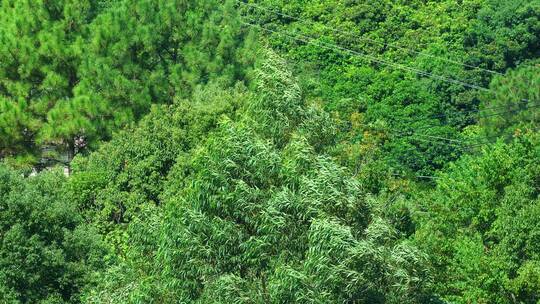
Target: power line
[(421, 72), (534, 105), (474, 110), (367, 39), (435, 178), (452, 142), (417, 176), (374, 41), (347, 50), (468, 147), (330, 46), (455, 143)]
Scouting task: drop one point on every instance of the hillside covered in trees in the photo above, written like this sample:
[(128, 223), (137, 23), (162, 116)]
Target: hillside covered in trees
[(269, 151)]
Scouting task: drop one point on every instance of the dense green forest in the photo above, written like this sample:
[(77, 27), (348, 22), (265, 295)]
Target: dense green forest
[(269, 151)]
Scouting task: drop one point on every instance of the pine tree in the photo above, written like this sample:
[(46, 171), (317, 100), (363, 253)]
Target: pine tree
[(39, 60), (143, 52)]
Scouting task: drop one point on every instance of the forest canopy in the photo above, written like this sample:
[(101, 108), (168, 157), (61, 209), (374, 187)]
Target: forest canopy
[(177, 151)]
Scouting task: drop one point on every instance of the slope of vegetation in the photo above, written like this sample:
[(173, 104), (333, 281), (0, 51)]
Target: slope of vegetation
[(269, 151)]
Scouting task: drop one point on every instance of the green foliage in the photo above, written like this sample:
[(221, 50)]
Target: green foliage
[(143, 52), (479, 225), (39, 59), (112, 184), (425, 36), (516, 103), (72, 69), (46, 251), (252, 218), (210, 169), (505, 33)]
